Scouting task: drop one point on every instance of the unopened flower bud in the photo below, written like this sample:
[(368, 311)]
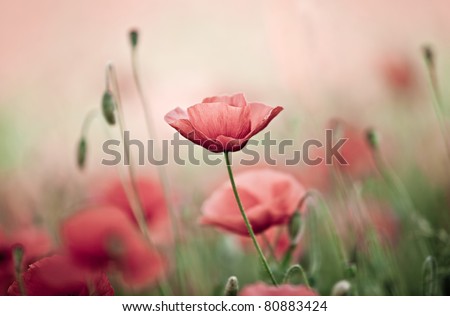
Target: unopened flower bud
[(232, 287), (294, 226), (134, 38), (430, 279), (372, 138), (81, 153), (17, 253), (351, 271), (341, 288), (428, 54), (108, 107), (115, 247)]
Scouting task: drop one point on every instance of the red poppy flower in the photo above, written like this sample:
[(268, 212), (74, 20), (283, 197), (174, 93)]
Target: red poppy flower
[(35, 243), (262, 289), (269, 198), (357, 221), (6, 265), (57, 275), (153, 203), (223, 123), (356, 150), (315, 175), (398, 72), (105, 238)]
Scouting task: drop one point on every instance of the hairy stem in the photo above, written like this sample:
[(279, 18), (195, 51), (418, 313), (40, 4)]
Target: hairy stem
[(247, 222)]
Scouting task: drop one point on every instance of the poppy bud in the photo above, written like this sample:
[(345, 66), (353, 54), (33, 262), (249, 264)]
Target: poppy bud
[(428, 54), (108, 107), (351, 271), (17, 253), (342, 288), (134, 37), (372, 138), (232, 286), (429, 276), (81, 153), (294, 226), (115, 247)]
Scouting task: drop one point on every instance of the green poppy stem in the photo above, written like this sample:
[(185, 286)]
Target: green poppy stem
[(18, 253), (162, 172), (131, 189), (247, 222), (438, 105)]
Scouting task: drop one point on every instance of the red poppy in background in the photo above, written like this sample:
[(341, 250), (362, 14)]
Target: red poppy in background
[(222, 123), (153, 203), (398, 72), (269, 198), (357, 221), (315, 176), (262, 289), (6, 264), (35, 244), (104, 238), (57, 275), (356, 150)]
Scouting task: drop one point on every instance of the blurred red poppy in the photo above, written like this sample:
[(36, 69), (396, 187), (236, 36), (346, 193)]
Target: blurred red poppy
[(222, 123), (262, 289), (269, 198), (398, 73), (356, 222), (105, 238), (153, 203), (35, 243), (57, 275), (315, 176), (356, 151)]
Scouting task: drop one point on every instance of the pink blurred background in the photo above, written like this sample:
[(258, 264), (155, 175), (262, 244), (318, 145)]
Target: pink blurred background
[(320, 59)]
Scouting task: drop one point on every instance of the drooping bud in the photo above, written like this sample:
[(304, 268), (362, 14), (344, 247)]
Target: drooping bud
[(108, 107), (428, 54), (134, 37), (372, 138), (294, 226), (81, 153), (342, 288), (232, 286)]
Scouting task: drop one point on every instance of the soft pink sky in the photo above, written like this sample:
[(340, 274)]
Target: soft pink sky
[(318, 58)]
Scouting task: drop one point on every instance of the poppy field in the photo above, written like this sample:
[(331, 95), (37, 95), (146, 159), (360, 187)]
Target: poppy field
[(272, 148)]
